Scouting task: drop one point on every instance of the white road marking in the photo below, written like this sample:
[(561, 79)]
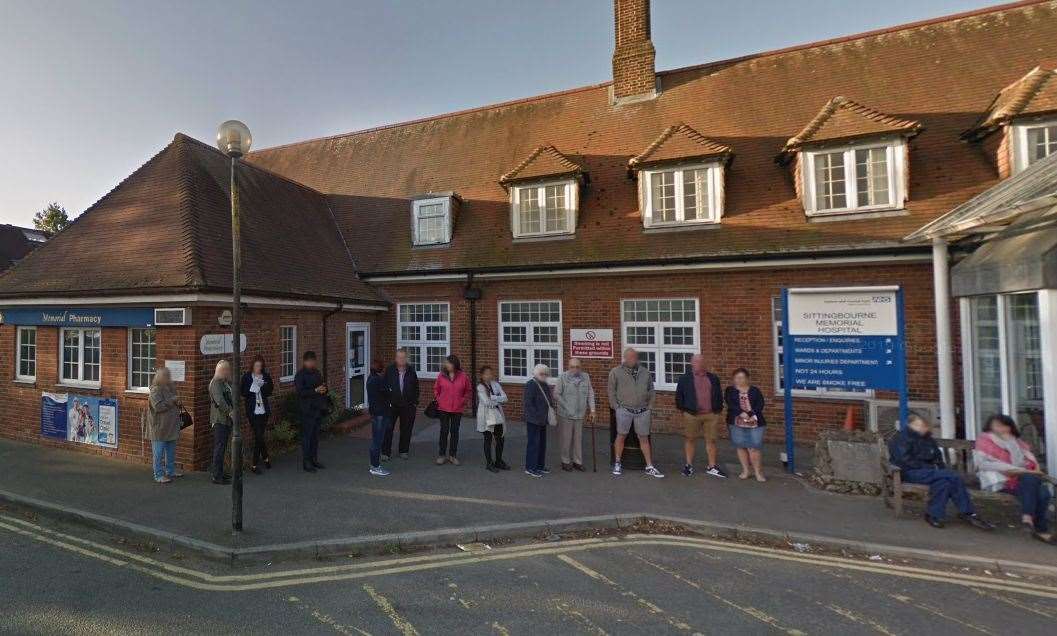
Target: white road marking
[(401, 623)]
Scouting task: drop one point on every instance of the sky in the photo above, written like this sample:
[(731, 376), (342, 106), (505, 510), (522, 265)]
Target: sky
[(91, 89)]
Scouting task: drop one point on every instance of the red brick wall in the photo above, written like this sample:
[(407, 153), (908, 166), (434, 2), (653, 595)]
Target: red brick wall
[(735, 327)]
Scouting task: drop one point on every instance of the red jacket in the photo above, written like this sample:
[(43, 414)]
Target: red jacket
[(452, 395)]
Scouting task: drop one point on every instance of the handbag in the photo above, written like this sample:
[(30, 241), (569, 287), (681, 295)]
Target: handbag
[(552, 417), (432, 411), (186, 421)]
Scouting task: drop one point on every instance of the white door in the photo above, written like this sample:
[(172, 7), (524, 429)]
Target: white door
[(358, 339)]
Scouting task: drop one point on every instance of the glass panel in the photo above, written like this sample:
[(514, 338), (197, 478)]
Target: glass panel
[(987, 368), (515, 334), (529, 211), (648, 359), (548, 357), (414, 357), (287, 363), (679, 336), (142, 357), (436, 332), (695, 194), (1025, 365), (515, 362), (829, 181), (871, 174), (556, 208), (435, 357), (545, 334), (27, 352), (410, 332), (431, 230), (640, 335), (92, 354), (663, 199), (1042, 142), (676, 363)]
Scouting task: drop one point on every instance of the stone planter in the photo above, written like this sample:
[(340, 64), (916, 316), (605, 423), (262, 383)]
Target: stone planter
[(847, 462)]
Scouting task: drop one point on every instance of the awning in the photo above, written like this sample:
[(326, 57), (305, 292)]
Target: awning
[(1022, 257)]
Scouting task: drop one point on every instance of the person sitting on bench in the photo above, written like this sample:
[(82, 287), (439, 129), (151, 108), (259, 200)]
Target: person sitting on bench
[(1005, 463), (920, 461)]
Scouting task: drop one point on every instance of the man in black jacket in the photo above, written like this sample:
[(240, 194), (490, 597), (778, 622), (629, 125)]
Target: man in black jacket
[(312, 403), (402, 382), (700, 398)]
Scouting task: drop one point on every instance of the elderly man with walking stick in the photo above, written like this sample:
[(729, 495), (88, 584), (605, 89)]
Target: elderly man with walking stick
[(575, 401)]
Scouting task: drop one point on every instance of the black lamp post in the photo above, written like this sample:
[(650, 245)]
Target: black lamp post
[(234, 139)]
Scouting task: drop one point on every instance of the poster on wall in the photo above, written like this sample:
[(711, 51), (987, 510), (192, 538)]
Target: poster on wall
[(591, 343), (83, 419)]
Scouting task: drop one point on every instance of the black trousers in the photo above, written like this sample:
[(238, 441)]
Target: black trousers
[(260, 446), (221, 435), (406, 415), (310, 425), (494, 436), (449, 434)]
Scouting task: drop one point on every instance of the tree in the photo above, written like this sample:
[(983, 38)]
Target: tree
[(51, 219)]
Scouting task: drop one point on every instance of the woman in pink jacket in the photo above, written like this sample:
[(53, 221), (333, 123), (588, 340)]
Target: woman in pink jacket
[(452, 390)]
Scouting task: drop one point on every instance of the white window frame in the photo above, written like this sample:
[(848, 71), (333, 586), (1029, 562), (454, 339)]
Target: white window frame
[(18, 354), (416, 213), (777, 350), (658, 348), (530, 344), (422, 344), (572, 207), (288, 377), (78, 382), (896, 163), (1020, 141), (146, 387), (714, 195)]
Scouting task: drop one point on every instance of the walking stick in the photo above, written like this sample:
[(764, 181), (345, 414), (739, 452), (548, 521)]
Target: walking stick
[(594, 458)]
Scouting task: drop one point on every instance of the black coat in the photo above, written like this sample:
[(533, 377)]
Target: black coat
[(536, 402), (249, 399), (733, 399), (911, 450), (378, 395), (407, 397), (310, 403)]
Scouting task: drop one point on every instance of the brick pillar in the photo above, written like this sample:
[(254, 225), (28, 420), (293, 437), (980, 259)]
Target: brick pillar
[(633, 57)]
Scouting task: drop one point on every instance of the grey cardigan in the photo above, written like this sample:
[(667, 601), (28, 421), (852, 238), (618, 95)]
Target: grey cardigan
[(220, 405), (574, 396), (163, 416)]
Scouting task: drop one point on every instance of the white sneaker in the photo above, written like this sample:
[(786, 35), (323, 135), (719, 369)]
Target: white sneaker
[(653, 472), (617, 470), (379, 472)]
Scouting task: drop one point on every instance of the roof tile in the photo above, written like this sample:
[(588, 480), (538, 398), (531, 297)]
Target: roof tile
[(1034, 93), (544, 161), (843, 118), (677, 143)]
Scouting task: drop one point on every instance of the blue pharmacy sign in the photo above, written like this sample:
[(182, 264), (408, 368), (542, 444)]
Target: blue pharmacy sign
[(79, 317), (842, 339)]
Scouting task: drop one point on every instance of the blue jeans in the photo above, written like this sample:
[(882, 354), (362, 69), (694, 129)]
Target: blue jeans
[(1034, 500), (944, 485), (164, 451), (379, 426), (536, 450)]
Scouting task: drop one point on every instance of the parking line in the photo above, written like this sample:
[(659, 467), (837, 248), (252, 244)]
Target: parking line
[(401, 623)]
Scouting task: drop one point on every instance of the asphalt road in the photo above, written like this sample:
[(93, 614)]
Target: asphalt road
[(58, 579)]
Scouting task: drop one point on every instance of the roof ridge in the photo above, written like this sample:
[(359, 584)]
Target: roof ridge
[(953, 17), (195, 275), (185, 137)]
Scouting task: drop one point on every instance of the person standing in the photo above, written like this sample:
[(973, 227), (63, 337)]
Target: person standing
[(575, 400), (920, 461), (402, 384), (1005, 463), (313, 404), (490, 418), (452, 391), (699, 397), (380, 408), (539, 414), (256, 389), (162, 425), (745, 423), (221, 403), (631, 395)]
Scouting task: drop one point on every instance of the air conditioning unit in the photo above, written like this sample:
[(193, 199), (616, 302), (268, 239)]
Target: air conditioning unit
[(884, 415), (172, 317)]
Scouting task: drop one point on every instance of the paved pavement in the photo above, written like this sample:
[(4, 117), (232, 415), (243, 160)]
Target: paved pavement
[(635, 584), (287, 505)]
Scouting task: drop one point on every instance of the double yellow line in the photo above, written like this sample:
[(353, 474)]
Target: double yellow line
[(206, 581)]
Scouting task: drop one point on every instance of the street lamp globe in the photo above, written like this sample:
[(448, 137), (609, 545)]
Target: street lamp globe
[(234, 138)]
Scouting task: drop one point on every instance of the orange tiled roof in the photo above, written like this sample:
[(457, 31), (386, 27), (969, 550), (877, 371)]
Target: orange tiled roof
[(544, 161), (676, 143), (1032, 94), (843, 118)]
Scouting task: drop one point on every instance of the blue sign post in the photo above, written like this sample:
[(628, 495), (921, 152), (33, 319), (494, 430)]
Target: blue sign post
[(843, 339)]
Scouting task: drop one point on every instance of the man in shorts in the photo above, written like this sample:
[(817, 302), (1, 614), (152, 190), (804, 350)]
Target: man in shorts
[(631, 396), (699, 397)]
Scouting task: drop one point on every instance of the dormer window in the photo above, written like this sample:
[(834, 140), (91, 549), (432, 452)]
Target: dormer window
[(1033, 141), (431, 220), (853, 179), (543, 209), (683, 195)]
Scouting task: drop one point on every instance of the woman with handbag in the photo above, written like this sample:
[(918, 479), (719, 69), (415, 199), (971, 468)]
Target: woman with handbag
[(745, 423), (452, 391), (539, 414), (162, 424), (490, 419), (256, 387)]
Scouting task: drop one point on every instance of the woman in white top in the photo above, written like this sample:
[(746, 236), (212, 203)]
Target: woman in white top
[(1005, 463), (490, 419)]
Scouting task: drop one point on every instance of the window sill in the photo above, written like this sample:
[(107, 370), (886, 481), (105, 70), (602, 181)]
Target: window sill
[(681, 227), (431, 246), (26, 381), (826, 217), (85, 387), (137, 393), (567, 236), (286, 380)]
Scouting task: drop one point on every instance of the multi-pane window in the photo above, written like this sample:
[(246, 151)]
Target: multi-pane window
[(853, 179), (423, 329), (664, 332), (530, 333), (1035, 142), (80, 356), (683, 195), (779, 362), (431, 221), (141, 356), (287, 352), (27, 353), (543, 209)]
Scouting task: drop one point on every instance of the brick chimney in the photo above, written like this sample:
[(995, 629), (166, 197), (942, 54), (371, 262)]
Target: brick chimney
[(634, 76)]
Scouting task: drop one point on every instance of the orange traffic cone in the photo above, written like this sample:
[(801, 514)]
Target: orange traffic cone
[(849, 419)]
